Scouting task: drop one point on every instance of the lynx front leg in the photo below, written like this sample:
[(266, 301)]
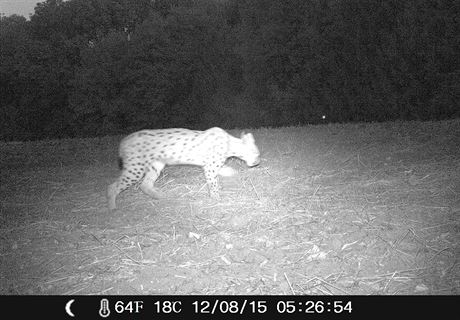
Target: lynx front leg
[(211, 173)]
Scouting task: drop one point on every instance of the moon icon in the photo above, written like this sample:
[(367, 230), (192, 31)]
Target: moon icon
[(67, 308)]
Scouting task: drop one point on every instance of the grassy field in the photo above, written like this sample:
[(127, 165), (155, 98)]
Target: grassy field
[(332, 209)]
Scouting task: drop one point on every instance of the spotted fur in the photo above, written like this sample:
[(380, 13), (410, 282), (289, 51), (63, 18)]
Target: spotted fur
[(144, 154)]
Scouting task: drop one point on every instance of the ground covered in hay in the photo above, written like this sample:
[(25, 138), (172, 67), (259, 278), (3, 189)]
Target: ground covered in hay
[(332, 209)]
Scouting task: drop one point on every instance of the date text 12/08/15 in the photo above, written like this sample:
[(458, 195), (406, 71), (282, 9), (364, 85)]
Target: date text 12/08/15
[(260, 307)]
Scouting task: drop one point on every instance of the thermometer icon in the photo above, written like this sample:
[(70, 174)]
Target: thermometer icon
[(104, 310)]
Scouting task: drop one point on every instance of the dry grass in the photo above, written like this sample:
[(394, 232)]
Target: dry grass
[(332, 209)]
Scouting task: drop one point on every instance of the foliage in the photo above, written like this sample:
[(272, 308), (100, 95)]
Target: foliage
[(92, 67)]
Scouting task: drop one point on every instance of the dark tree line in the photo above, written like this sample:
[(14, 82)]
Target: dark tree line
[(93, 67)]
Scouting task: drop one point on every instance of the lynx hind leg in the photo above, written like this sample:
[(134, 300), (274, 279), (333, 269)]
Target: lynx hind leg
[(226, 171), (147, 185), (115, 189), (112, 196), (128, 178)]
